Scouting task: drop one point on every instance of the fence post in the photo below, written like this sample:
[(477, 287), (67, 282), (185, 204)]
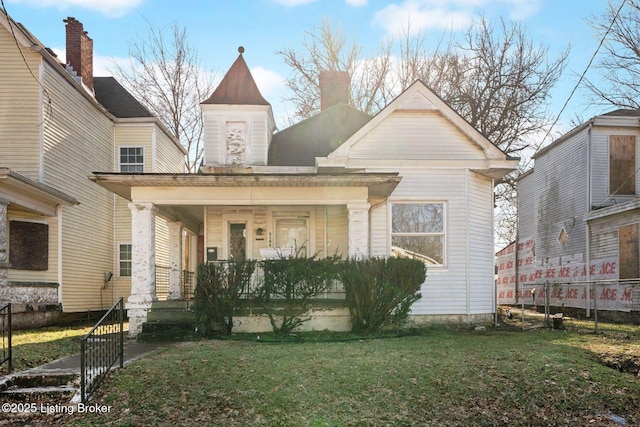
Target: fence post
[(546, 304), (595, 307), (121, 315), (9, 339)]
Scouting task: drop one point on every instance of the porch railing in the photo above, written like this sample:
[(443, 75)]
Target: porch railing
[(162, 282), (5, 336), (101, 348)]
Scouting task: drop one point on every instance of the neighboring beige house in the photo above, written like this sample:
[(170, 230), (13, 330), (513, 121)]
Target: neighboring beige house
[(62, 236), (416, 179)]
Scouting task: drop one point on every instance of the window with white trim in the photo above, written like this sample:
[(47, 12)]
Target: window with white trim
[(131, 159), (418, 231), (124, 260)]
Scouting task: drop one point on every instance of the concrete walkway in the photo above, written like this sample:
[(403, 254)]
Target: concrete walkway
[(133, 350)]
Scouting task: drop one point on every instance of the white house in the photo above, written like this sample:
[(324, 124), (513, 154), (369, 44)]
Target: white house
[(578, 212), (415, 179)]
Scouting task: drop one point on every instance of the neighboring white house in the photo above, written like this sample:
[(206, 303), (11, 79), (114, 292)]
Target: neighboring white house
[(414, 179), (579, 207)]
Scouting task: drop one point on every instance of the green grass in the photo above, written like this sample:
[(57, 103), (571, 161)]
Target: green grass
[(34, 347), (439, 377)]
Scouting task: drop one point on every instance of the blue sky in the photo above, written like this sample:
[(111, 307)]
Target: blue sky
[(217, 27)]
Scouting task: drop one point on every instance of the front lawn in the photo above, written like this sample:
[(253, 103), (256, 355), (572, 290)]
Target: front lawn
[(439, 377)]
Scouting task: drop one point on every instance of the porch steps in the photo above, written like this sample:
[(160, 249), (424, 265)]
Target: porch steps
[(41, 387), (169, 321)]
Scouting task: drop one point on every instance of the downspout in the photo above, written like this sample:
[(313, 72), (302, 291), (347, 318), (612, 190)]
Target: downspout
[(466, 249), (326, 232), (59, 215), (41, 133), (587, 228)]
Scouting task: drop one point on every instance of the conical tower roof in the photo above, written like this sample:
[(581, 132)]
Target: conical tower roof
[(237, 87)]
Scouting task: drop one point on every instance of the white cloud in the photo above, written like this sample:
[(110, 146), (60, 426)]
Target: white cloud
[(112, 8), (269, 82), (423, 15), (293, 3), (357, 3)]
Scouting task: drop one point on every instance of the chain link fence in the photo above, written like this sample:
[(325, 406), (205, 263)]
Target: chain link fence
[(597, 306)]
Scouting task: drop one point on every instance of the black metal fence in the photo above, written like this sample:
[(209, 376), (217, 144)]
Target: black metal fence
[(101, 348), (583, 306), (163, 274), (6, 335)]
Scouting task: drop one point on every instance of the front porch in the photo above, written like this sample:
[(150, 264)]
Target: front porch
[(242, 216)]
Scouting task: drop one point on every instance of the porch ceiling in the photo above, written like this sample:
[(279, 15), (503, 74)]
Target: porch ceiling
[(378, 184)]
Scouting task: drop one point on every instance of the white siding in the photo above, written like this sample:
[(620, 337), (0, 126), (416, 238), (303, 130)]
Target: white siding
[(416, 135), (561, 192)]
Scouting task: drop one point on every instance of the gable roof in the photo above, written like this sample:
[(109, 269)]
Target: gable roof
[(317, 136), (237, 87), (418, 97), (117, 99)]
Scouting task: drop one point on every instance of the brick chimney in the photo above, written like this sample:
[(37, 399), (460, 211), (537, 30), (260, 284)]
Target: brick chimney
[(334, 88), (80, 51)]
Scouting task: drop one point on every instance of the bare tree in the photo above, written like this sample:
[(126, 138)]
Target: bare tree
[(494, 77), (165, 74), (619, 66)]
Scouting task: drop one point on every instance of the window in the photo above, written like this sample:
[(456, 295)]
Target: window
[(291, 233), (124, 260), (28, 245), (131, 159), (418, 231), (628, 251), (622, 164)]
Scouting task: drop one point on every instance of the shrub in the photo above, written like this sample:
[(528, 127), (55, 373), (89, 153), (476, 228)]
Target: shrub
[(289, 286), (220, 285), (380, 291)]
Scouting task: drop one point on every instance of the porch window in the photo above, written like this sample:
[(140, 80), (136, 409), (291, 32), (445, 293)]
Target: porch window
[(131, 159), (291, 233), (124, 260), (28, 245), (622, 164), (418, 231)]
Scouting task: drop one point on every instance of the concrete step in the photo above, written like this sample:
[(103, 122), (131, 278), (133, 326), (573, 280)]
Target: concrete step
[(46, 387), (169, 316), (172, 305)]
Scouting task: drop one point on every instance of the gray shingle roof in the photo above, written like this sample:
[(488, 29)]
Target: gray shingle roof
[(115, 98)]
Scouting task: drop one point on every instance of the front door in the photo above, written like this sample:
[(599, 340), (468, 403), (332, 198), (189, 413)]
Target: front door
[(236, 235)]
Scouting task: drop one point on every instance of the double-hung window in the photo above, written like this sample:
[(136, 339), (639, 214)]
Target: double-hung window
[(131, 159), (418, 231), (124, 260)]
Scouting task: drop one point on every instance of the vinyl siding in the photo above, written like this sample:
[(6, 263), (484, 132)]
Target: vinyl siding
[(561, 179), (77, 141), (447, 288), (604, 233), (169, 158), (423, 135), (20, 112)]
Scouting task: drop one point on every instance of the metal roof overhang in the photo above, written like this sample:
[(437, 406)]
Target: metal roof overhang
[(31, 195)]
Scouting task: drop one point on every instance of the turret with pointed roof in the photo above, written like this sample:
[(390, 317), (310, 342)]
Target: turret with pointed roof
[(238, 121)]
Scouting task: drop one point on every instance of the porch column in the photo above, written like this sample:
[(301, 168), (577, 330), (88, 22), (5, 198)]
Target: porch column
[(4, 243), (358, 230), (175, 260), (143, 265)]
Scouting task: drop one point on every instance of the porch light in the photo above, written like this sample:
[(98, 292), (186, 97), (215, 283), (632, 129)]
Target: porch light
[(259, 231)]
